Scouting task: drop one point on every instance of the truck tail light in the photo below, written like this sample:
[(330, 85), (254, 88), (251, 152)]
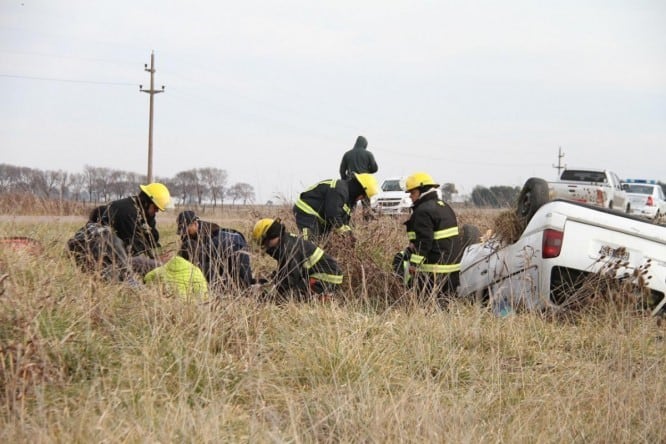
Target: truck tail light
[(650, 202), (552, 243)]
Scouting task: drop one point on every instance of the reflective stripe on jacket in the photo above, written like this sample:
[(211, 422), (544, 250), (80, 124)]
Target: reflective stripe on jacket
[(300, 260), (433, 230), (329, 202)]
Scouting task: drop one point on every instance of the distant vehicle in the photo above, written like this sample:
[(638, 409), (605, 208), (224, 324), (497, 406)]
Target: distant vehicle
[(602, 188), (646, 198), (392, 198), (562, 243)]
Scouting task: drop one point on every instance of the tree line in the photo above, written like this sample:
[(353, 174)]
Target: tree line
[(195, 186), (97, 184)]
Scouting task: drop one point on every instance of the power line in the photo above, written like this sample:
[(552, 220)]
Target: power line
[(53, 79)]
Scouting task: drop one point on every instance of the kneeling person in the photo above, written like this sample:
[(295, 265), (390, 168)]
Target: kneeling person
[(181, 276), (222, 252), (303, 268)]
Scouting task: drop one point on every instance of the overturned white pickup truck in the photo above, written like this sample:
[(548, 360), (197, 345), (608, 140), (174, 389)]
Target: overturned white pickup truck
[(563, 243)]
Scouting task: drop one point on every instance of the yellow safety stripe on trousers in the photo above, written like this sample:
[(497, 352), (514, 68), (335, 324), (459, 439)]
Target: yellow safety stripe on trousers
[(306, 233), (330, 278), (416, 259), (343, 229), (346, 209), (437, 235), (443, 234), (307, 209), (314, 258), (439, 268)]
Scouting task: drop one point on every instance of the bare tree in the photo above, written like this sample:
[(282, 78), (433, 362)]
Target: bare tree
[(38, 183), (186, 183), (215, 180), (6, 172), (60, 183), (104, 183), (90, 173), (21, 178), (76, 186), (448, 189), (242, 191)]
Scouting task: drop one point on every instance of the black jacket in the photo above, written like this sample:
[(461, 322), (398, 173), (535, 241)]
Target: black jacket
[(433, 218), (358, 160), (222, 254), (331, 200), (299, 261), (131, 224)]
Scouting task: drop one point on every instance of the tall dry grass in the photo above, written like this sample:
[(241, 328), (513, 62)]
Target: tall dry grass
[(86, 361)]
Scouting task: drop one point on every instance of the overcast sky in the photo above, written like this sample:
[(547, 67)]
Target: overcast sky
[(473, 92)]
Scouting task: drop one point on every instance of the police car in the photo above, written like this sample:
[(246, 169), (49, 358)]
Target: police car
[(646, 198)]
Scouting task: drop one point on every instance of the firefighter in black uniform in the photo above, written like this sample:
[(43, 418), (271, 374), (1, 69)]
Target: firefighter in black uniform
[(303, 268), (122, 237), (328, 204), (435, 244), (133, 221)]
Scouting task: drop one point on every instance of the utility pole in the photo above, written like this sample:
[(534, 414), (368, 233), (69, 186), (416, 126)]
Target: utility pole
[(559, 165), (152, 91)]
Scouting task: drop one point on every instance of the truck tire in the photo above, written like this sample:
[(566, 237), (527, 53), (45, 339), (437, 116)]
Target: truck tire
[(470, 235), (532, 197)]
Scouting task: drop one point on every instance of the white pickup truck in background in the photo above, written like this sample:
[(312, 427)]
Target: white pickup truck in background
[(563, 243), (602, 188), (392, 198)]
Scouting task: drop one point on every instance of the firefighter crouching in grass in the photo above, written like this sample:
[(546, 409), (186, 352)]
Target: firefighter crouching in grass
[(433, 255), (121, 238), (133, 221), (303, 269), (327, 205)]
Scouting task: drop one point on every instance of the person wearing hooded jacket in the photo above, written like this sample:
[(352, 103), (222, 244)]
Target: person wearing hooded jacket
[(222, 252), (358, 160), (303, 268), (327, 205), (435, 245)]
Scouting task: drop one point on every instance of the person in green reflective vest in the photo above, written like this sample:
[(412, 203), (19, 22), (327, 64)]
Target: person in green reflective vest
[(180, 276)]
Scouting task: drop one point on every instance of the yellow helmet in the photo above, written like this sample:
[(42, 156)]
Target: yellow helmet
[(368, 182), (159, 194), (260, 229), (418, 180)]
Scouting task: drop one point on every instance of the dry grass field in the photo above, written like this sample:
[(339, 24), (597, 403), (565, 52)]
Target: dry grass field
[(86, 361)]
